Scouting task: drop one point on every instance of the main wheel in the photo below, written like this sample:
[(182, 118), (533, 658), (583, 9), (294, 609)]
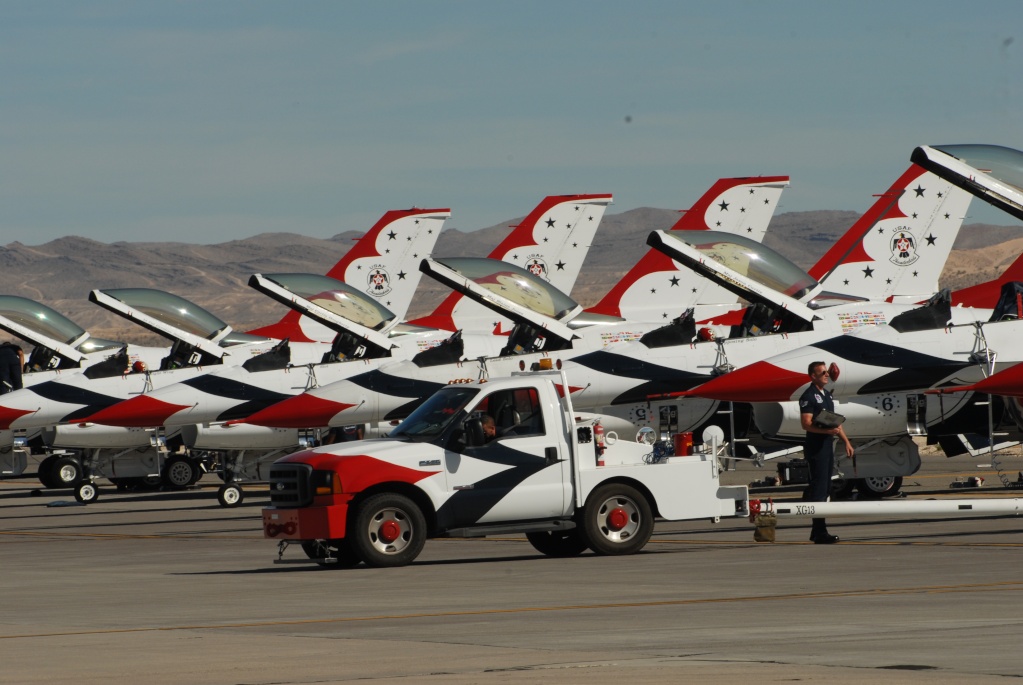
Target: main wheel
[(389, 530), (876, 487), (86, 492), (66, 473), (341, 550), (230, 495), (180, 472), (45, 472), (617, 519), (558, 543)]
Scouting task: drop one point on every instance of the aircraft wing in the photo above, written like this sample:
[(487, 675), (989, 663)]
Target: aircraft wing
[(991, 172)]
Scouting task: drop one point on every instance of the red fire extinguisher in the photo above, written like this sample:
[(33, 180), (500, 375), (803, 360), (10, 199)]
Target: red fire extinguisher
[(598, 438)]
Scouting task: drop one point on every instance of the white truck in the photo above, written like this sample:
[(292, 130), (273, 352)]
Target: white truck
[(485, 458)]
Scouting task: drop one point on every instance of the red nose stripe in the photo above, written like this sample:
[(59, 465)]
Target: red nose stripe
[(300, 411), (9, 415), (138, 412), (758, 382)]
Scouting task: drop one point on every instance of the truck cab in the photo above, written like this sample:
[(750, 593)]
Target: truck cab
[(487, 457)]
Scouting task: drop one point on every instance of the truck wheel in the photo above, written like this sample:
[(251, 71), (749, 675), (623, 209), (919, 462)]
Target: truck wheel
[(876, 487), (338, 549), (180, 472), (86, 492), (45, 472), (389, 530), (558, 543), (230, 495), (66, 473), (617, 520)]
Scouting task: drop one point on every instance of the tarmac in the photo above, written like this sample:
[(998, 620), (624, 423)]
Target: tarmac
[(168, 587)]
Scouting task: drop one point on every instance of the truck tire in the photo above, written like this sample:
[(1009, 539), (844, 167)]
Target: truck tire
[(389, 530), (338, 549), (558, 543), (617, 519)]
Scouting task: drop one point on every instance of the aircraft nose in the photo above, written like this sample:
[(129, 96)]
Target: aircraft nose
[(143, 411), (300, 411), (758, 382), (9, 415)]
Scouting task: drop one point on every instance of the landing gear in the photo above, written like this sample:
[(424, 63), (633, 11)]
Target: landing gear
[(230, 495), (180, 472), (65, 472), (876, 487), (87, 492)]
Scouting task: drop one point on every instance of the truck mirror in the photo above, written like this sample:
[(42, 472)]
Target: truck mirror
[(474, 433)]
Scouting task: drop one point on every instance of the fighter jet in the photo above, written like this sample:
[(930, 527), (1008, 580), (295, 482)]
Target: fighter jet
[(235, 395), (199, 339)]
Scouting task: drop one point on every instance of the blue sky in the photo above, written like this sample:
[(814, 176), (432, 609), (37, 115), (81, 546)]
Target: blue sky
[(210, 121)]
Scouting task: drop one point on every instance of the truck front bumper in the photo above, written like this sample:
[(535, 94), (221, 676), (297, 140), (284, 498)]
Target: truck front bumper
[(306, 523)]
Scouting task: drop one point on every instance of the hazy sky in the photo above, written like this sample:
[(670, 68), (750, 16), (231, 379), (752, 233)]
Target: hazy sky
[(210, 121)]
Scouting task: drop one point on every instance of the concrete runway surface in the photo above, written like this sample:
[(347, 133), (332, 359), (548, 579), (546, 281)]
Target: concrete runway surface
[(170, 588)]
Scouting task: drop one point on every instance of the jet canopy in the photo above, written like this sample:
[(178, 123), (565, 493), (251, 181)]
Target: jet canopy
[(514, 284), (168, 309), (59, 342), (991, 172), (30, 317), (751, 259), (336, 297)]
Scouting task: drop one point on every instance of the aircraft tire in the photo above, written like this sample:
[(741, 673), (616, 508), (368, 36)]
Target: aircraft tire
[(879, 487), (45, 473), (230, 495), (86, 492), (66, 473)]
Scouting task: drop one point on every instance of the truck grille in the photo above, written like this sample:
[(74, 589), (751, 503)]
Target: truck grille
[(290, 485)]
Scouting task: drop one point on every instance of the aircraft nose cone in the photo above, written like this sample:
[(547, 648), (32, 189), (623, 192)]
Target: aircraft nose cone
[(300, 411), (142, 411), (758, 382)]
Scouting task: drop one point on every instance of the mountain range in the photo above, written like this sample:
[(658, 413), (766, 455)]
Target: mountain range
[(61, 273)]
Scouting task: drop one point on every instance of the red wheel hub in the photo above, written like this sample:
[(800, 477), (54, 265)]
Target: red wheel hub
[(617, 518), (389, 531)]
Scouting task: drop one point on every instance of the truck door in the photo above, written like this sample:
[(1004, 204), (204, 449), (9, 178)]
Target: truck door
[(518, 475)]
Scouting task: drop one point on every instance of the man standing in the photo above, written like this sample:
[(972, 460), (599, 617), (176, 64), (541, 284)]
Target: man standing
[(11, 358), (819, 447)]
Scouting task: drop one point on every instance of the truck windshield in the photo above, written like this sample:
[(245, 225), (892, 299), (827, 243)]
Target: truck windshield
[(434, 416)]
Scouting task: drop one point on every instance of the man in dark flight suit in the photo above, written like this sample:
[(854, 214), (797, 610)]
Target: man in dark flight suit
[(819, 446)]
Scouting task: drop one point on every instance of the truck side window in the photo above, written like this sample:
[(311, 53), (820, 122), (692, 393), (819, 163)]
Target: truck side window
[(515, 412)]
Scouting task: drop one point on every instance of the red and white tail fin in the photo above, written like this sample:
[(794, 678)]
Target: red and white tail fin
[(552, 242), (657, 288), (897, 250), (383, 263)]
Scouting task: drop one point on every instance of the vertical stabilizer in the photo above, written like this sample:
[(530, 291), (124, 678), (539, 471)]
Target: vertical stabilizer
[(658, 289), (897, 250), (383, 263)]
